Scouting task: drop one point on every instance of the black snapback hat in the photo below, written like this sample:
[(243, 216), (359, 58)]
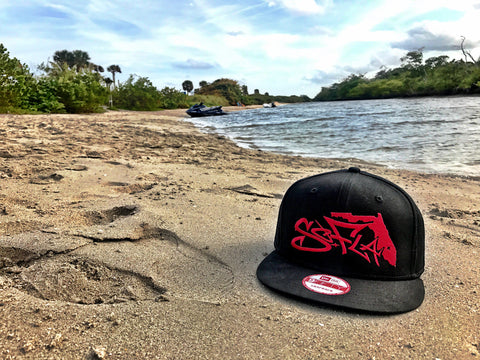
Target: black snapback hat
[(351, 239)]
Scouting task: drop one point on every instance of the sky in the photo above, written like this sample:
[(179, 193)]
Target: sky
[(283, 47)]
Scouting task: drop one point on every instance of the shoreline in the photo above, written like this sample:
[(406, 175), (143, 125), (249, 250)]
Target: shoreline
[(462, 170), (132, 235)]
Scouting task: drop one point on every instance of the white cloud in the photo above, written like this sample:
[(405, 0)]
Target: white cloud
[(279, 46), (422, 37), (302, 7), (194, 64)]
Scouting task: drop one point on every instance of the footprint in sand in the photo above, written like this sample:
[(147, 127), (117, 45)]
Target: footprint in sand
[(79, 280), (120, 257)]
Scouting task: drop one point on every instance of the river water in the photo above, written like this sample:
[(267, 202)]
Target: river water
[(434, 135)]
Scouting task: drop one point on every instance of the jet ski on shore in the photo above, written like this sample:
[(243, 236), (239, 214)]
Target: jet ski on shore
[(198, 110), (269, 105)]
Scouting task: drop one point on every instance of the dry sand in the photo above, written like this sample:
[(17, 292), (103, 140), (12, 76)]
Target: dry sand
[(132, 235)]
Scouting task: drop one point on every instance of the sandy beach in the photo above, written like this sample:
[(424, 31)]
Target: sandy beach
[(132, 235)]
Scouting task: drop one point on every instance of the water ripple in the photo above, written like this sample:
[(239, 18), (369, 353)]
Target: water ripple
[(439, 134)]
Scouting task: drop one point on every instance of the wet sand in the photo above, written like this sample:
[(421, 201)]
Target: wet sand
[(132, 235)]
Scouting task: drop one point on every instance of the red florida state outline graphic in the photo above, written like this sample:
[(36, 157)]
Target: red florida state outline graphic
[(327, 238)]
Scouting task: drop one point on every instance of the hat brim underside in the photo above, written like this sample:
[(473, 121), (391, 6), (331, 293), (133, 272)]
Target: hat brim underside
[(365, 295)]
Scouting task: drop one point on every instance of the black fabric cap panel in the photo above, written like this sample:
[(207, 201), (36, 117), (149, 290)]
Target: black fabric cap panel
[(357, 196)]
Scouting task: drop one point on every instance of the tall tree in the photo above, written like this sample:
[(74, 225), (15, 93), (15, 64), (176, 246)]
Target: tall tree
[(413, 59), (78, 58), (81, 59), (114, 69), (96, 68), (108, 81), (467, 53), (413, 63), (187, 85), (15, 80), (63, 57)]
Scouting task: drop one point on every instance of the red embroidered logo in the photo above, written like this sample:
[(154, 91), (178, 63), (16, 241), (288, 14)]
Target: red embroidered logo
[(346, 230)]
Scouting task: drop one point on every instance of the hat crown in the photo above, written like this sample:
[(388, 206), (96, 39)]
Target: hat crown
[(351, 223)]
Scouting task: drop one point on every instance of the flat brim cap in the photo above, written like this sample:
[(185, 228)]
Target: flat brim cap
[(378, 296)]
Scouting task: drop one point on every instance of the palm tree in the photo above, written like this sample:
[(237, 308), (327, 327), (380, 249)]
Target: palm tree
[(81, 59), (187, 85), (63, 57), (114, 69), (107, 81), (78, 58), (96, 68)]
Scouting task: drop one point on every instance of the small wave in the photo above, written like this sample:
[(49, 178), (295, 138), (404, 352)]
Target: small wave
[(376, 114), (473, 162), (384, 149), (326, 118), (422, 122), (244, 138)]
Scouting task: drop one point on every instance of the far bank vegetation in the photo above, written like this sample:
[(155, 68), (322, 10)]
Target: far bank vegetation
[(436, 76), (72, 83)]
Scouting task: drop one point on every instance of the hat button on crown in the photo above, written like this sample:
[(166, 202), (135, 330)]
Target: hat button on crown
[(379, 198), (354, 169)]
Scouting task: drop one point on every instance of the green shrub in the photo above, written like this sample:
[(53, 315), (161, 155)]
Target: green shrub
[(227, 88), (171, 98), (137, 93), (80, 92), (44, 98), (15, 82)]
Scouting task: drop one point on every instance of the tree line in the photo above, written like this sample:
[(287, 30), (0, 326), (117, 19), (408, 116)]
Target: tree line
[(72, 83), (414, 77)]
